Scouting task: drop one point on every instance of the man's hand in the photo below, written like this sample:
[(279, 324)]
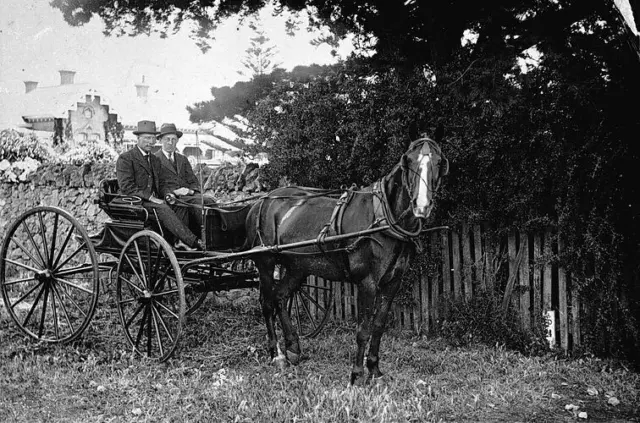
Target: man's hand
[(182, 191), (156, 200)]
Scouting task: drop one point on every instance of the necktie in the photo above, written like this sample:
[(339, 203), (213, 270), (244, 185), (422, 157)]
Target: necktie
[(153, 182), (173, 161)]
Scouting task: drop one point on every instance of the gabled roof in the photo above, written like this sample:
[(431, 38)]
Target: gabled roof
[(56, 101), (44, 103)]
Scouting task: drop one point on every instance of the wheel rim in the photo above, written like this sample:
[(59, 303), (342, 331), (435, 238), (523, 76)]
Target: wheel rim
[(150, 295), (310, 307), (49, 275)]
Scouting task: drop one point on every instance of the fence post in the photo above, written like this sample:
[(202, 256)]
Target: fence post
[(525, 287), (436, 245), (562, 299), (446, 271), (575, 314), (537, 278), (490, 252), (457, 271), (477, 262), (466, 261), (425, 310), (513, 268)]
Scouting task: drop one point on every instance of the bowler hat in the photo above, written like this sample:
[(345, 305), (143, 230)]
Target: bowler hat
[(168, 128), (146, 127)]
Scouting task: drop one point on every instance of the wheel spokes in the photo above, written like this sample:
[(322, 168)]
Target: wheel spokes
[(43, 235), (49, 285), (33, 242)]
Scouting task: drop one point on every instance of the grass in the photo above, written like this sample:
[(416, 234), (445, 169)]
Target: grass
[(222, 373)]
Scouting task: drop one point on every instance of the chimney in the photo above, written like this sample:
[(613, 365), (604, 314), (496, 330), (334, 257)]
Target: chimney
[(66, 77), (142, 89), (30, 86)]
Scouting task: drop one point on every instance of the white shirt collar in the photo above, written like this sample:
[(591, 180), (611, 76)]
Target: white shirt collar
[(167, 154), (144, 153)]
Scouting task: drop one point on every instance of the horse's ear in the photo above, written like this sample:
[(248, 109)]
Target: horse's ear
[(444, 168), (413, 130), (439, 135)]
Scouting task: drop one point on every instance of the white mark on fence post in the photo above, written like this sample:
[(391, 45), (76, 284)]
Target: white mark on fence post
[(550, 317)]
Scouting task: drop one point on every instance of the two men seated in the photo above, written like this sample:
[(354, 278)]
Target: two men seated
[(165, 174)]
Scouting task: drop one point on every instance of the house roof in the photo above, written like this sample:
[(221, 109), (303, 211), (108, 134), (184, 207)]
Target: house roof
[(17, 110), (44, 103)]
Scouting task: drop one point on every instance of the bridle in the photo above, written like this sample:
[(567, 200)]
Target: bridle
[(408, 177)]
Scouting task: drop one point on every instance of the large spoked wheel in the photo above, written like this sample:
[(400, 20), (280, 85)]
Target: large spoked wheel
[(310, 308), (49, 275), (150, 295)]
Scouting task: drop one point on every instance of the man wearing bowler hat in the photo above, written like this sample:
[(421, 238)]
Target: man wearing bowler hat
[(178, 178), (139, 173)]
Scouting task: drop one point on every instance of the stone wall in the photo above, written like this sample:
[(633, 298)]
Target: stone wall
[(72, 188)]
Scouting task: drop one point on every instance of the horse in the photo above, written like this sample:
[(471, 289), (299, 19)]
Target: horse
[(400, 201)]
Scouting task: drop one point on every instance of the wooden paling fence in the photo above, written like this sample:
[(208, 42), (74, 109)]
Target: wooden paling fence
[(521, 268)]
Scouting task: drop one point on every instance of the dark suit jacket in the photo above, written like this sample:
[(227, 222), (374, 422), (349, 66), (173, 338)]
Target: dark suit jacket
[(174, 178), (135, 177)]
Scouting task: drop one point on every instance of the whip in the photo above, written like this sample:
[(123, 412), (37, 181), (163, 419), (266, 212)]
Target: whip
[(198, 163)]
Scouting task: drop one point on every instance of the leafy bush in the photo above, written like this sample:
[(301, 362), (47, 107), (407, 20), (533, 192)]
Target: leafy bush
[(21, 154), (88, 152), (481, 319), (16, 146)]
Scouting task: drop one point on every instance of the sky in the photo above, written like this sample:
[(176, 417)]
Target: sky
[(35, 43)]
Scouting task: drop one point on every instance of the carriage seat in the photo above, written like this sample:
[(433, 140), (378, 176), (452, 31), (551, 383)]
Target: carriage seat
[(119, 206)]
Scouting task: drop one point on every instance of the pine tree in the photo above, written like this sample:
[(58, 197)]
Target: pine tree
[(259, 57)]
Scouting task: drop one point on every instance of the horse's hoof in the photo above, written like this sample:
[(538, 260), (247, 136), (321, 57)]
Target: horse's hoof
[(293, 358), (376, 377), (356, 379), (280, 362)]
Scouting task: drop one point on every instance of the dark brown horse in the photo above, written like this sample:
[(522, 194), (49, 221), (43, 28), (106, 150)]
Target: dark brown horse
[(402, 199)]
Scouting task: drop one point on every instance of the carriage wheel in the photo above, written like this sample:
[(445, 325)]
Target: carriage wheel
[(150, 295), (49, 275), (310, 307)]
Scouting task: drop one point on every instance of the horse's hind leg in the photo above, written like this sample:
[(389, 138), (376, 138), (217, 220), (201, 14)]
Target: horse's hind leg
[(283, 291), (267, 301)]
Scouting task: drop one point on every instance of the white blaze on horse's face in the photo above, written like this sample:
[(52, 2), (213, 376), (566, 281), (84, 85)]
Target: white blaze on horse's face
[(423, 203)]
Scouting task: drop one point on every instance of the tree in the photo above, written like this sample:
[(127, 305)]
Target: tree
[(401, 34), (244, 95), (259, 56)]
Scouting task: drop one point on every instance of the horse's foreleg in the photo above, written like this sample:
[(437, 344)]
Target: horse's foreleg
[(283, 292), (366, 297), (384, 301)]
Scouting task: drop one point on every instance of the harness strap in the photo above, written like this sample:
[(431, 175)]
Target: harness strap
[(383, 215), (335, 222)]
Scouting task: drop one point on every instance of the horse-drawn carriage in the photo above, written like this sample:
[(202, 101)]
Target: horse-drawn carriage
[(50, 273), (51, 269)]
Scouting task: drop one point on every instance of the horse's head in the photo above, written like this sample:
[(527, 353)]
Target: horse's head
[(424, 166)]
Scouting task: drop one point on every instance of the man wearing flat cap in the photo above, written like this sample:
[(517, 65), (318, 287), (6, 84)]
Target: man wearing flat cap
[(139, 173), (178, 177)]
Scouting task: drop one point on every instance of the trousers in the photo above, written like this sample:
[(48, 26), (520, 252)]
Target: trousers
[(193, 210), (173, 221)]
